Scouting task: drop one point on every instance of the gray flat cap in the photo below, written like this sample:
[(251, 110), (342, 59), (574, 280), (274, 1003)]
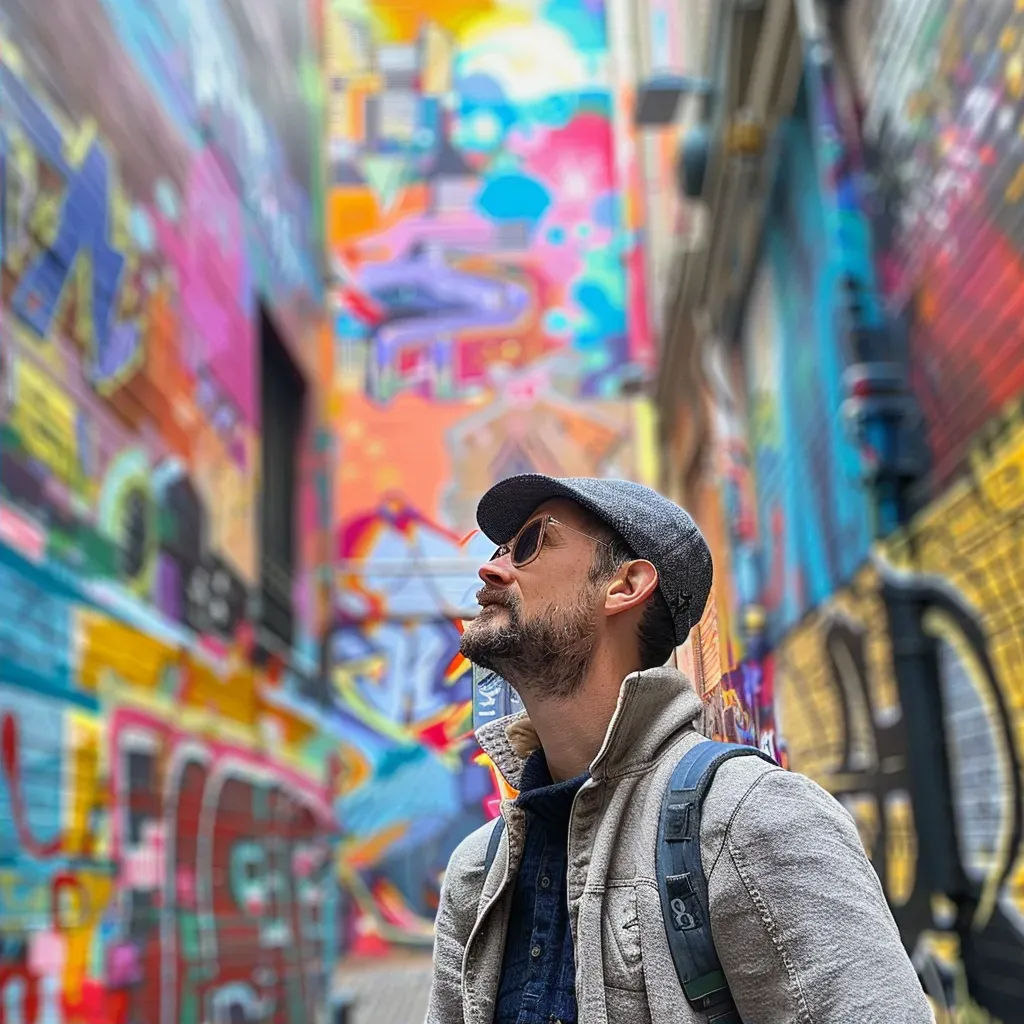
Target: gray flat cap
[(655, 528)]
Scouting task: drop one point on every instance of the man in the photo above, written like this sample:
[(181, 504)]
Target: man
[(593, 584)]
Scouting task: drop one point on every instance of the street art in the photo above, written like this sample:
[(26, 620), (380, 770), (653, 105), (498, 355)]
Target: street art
[(530, 427), (727, 654), (485, 248), (130, 420), (415, 786), (943, 136), (165, 831), (814, 495), (781, 588), (411, 785), (166, 809), (95, 351), (921, 739), (475, 204)]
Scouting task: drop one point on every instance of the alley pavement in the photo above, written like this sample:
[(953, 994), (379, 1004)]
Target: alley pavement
[(392, 990)]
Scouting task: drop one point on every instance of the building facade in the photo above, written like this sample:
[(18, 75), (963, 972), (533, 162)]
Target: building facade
[(166, 786), (864, 440)]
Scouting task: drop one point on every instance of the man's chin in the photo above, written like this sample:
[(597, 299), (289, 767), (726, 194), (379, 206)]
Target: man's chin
[(480, 644)]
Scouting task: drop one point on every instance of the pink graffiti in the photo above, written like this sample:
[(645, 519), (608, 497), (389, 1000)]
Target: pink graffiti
[(204, 246)]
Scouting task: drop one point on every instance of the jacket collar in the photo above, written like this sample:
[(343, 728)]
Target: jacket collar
[(652, 707)]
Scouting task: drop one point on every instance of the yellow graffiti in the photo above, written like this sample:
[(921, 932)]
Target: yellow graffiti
[(971, 539), (226, 699), (88, 792), (46, 421), (943, 627), (347, 681), (968, 545), (22, 183), (229, 492), (79, 142), (91, 897), (109, 646), (901, 848)]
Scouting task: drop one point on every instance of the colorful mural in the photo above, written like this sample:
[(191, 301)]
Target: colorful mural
[(130, 289), (925, 748), (814, 513), (889, 673), (166, 824), (475, 214), (166, 808), (944, 137), (404, 696), (727, 654), (487, 281), (898, 689)]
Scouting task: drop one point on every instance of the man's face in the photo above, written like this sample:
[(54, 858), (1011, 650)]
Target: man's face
[(538, 622)]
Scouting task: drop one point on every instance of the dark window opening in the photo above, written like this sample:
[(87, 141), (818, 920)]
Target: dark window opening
[(282, 396)]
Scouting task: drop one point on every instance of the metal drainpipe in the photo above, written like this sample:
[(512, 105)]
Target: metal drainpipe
[(879, 406)]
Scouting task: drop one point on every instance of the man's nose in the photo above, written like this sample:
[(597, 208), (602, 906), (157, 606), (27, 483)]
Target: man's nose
[(497, 573)]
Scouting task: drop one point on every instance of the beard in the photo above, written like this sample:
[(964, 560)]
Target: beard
[(546, 656)]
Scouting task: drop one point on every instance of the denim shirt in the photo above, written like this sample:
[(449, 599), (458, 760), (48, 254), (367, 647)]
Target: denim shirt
[(538, 972)]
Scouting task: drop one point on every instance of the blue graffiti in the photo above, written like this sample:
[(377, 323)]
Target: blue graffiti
[(411, 785), (83, 230), (584, 21), (35, 627), (816, 486)]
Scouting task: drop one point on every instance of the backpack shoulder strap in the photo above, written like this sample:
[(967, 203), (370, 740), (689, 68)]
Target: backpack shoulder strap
[(493, 843), (681, 881)]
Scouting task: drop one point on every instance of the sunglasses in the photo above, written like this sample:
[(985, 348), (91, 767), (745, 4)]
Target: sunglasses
[(526, 545)]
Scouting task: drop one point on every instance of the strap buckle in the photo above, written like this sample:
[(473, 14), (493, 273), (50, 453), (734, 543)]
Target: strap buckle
[(705, 991)]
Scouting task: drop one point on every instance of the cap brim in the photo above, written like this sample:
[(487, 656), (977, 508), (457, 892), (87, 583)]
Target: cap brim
[(509, 503)]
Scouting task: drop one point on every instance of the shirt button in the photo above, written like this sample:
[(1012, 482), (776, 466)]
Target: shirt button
[(535, 952), (545, 882)]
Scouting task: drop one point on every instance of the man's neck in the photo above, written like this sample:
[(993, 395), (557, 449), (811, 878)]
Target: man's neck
[(572, 730)]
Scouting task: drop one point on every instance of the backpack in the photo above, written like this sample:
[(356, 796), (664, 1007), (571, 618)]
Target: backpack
[(681, 881)]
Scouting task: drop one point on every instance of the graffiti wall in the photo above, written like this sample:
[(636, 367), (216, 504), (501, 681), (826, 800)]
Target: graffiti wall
[(902, 695), (132, 277), (893, 671), (165, 830), (776, 484), (728, 654), (900, 691), (814, 513), (487, 284), (165, 808), (944, 133)]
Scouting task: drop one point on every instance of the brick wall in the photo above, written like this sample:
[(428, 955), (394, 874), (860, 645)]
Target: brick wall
[(165, 804)]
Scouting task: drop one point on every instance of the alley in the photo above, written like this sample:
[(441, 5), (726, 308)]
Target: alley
[(287, 286)]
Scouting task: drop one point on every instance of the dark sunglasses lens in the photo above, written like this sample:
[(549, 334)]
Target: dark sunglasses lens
[(526, 543)]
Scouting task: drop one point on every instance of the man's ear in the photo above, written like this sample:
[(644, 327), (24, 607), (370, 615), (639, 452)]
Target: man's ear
[(631, 586)]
